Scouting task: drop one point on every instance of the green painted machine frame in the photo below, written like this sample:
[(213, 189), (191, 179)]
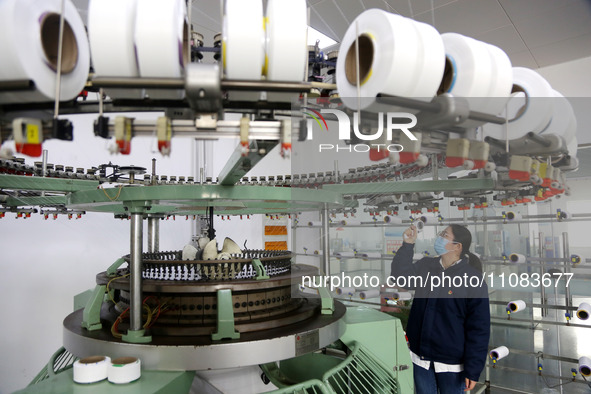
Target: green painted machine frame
[(379, 335), (375, 340), (377, 357), (191, 199), (225, 319)]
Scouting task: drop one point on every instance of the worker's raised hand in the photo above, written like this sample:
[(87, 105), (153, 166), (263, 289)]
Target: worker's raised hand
[(410, 234)]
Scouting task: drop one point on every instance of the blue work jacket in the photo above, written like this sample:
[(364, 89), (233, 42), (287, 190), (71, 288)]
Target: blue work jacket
[(449, 320)]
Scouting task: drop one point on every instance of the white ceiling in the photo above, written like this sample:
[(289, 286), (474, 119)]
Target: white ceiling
[(534, 33)]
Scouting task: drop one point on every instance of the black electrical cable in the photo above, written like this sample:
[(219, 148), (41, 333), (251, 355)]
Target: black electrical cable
[(211, 230)]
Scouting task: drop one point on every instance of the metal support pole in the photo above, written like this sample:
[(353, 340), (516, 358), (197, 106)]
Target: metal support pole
[(44, 163), (101, 102), (481, 390), (566, 255), (435, 166), (294, 222), (357, 79), (533, 323), (543, 298), (153, 235), (135, 334), (485, 251), (187, 49), (44, 167), (557, 333), (487, 377), (538, 139), (325, 239), (135, 266), (60, 48)]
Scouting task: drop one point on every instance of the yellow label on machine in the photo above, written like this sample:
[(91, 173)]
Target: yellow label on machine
[(33, 134), (276, 245), (128, 130), (275, 230)]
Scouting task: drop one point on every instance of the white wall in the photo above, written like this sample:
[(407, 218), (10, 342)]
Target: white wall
[(45, 263), (573, 80)]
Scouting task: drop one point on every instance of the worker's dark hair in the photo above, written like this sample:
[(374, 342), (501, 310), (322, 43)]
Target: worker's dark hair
[(462, 235)]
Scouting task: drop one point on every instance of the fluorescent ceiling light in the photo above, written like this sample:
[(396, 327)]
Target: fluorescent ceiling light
[(313, 35)]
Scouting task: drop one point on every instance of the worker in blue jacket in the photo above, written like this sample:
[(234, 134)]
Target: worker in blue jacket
[(449, 324)]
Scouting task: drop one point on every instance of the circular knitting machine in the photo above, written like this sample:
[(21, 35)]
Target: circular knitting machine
[(202, 314)]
